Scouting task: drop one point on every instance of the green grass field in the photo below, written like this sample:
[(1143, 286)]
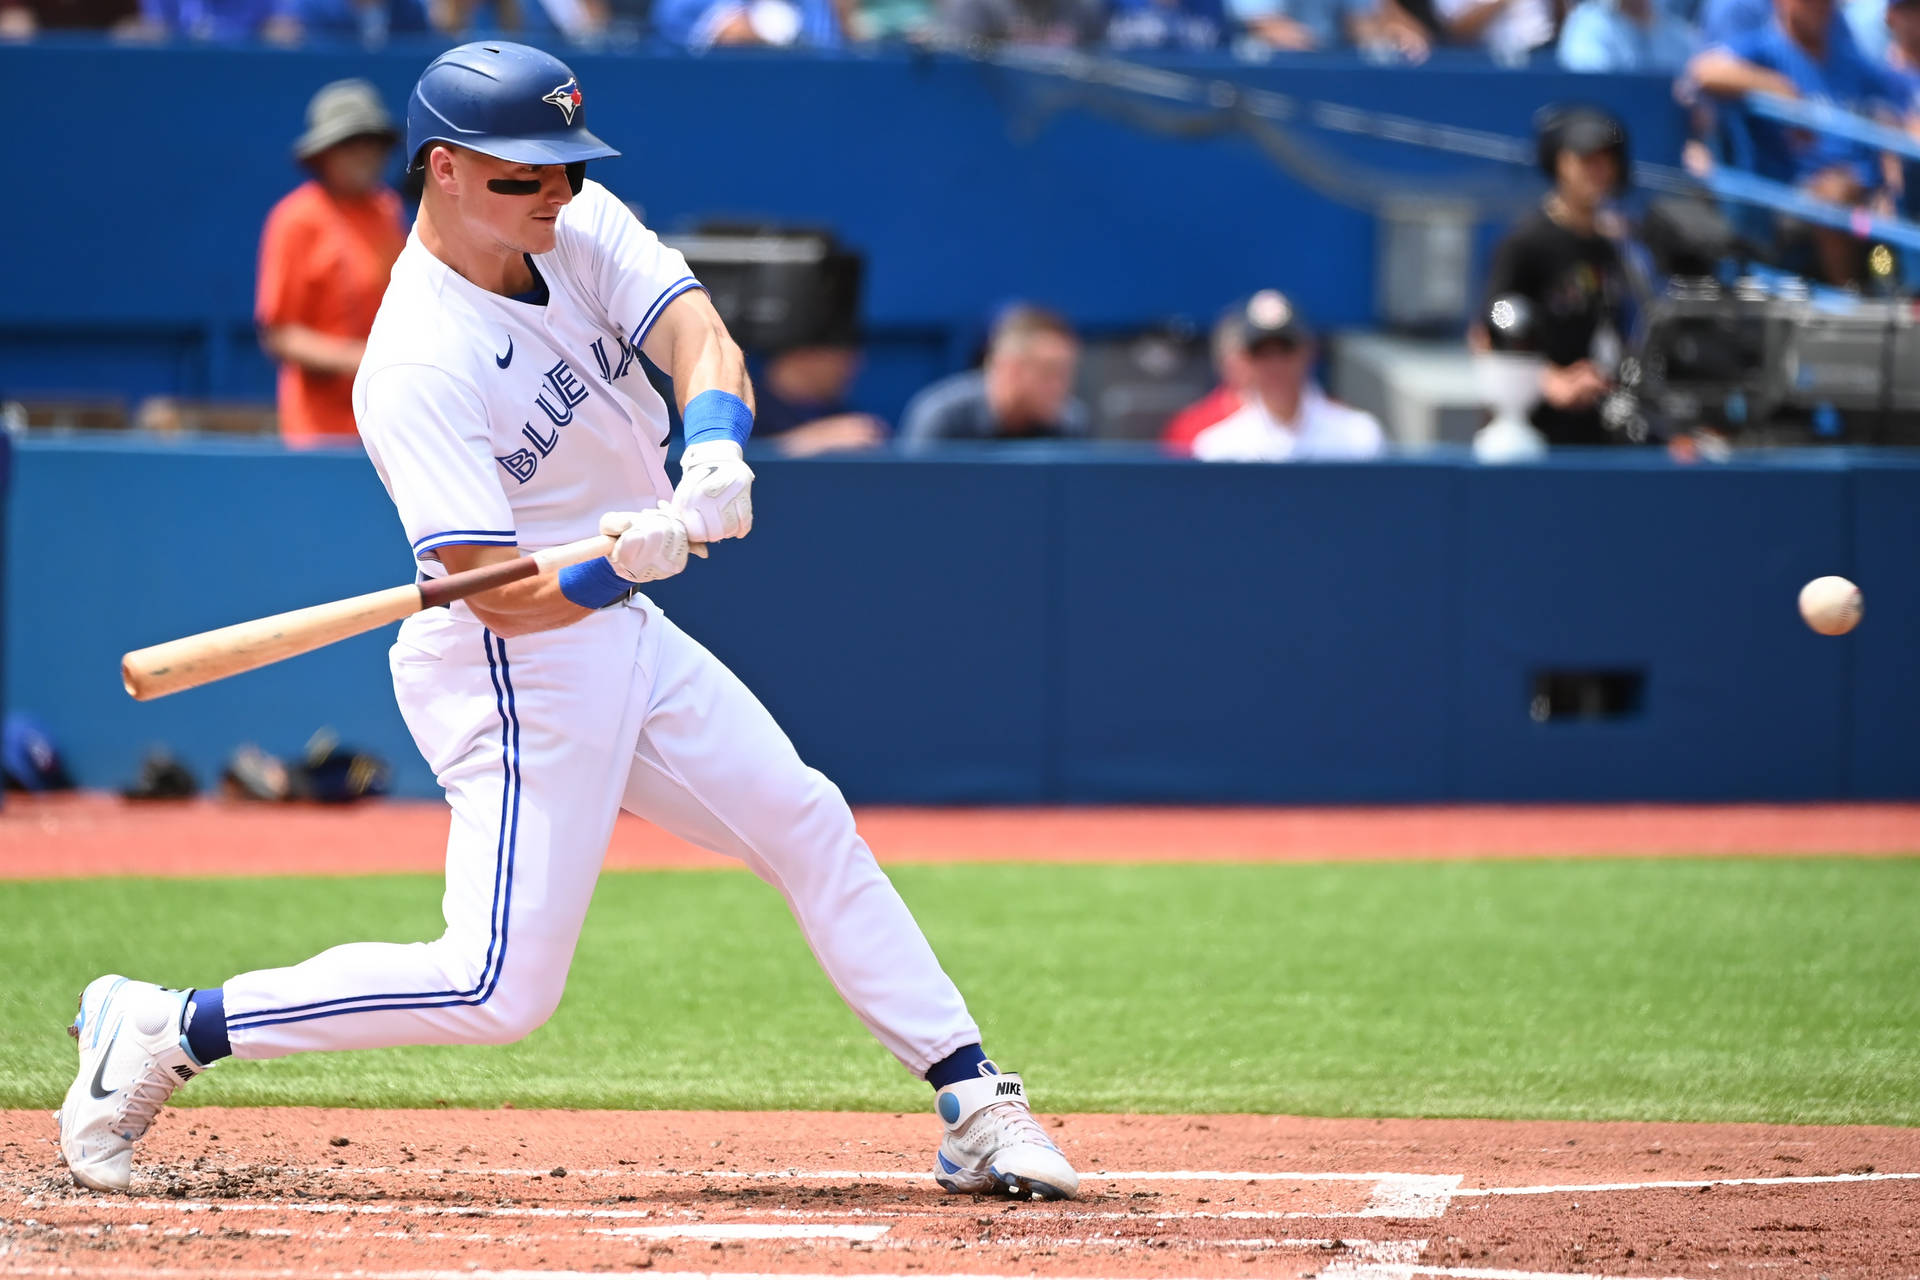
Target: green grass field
[(1665, 990)]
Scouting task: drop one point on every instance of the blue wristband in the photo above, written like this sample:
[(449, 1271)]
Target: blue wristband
[(594, 584), (718, 415)]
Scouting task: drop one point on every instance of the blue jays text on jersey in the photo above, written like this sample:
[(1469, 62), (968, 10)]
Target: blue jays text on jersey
[(561, 389)]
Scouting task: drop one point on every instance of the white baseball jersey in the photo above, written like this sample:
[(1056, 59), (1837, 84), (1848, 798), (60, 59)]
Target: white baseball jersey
[(1321, 428), (511, 423), (508, 423)]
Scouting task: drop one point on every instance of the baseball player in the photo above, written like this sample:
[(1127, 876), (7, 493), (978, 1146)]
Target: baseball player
[(503, 404)]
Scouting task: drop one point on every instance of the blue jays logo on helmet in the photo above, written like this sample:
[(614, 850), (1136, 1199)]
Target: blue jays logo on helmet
[(567, 98)]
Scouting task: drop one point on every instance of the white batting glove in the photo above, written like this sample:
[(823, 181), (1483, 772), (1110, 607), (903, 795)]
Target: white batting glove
[(652, 544), (715, 496)]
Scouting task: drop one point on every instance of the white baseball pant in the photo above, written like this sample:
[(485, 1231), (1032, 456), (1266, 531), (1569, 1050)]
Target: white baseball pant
[(539, 741)]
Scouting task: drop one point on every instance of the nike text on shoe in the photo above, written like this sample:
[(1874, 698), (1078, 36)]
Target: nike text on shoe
[(132, 1058), (994, 1143)]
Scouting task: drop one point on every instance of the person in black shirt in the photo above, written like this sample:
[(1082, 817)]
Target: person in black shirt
[(1557, 258)]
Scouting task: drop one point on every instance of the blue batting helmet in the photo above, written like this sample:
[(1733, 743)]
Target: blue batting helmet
[(509, 101)]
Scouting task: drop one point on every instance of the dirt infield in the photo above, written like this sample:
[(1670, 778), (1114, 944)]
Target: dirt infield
[(304, 1193), (87, 835), (298, 1194)]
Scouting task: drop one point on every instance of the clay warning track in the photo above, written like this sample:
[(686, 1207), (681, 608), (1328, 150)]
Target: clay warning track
[(298, 1193), (91, 834)]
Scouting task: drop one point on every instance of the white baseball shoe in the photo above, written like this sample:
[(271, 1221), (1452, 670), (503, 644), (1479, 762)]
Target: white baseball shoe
[(994, 1143), (132, 1058)]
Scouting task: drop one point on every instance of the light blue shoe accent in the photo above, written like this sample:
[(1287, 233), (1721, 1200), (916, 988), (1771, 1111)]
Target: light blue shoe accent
[(949, 1108)]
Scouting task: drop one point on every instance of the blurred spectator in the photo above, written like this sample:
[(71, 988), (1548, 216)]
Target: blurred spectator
[(886, 20), (219, 20), (800, 402), (1024, 391), (1284, 416), (368, 21), (1230, 362), (1807, 52), (325, 255), (1300, 25), (1557, 259), (1031, 22), (1724, 20), (1901, 23), (22, 19), (701, 24), (1510, 30), (1888, 31), (1624, 35), (1166, 24)]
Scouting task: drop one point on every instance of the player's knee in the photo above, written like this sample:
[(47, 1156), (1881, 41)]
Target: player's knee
[(521, 1005), (511, 1004), (511, 1013)]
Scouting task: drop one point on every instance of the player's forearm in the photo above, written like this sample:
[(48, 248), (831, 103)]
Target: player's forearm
[(520, 608), (711, 361), (692, 344)]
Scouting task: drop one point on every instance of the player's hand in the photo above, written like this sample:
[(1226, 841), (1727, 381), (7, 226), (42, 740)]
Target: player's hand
[(715, 496), (651, 544)]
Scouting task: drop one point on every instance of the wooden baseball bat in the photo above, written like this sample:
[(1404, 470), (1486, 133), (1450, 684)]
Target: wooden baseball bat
[(213, 655)]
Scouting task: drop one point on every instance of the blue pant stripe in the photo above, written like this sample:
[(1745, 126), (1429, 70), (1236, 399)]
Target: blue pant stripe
[(502, 884)]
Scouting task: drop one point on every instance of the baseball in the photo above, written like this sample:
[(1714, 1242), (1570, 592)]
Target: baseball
[(1831, 605)]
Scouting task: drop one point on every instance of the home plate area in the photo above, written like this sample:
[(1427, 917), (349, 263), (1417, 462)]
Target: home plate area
[(386, 1195)]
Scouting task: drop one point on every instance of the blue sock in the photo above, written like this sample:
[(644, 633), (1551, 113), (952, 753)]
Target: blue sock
[(961, 1064), (205, 1026)]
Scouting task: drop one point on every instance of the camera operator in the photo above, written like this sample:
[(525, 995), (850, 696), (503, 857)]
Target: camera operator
[(1559, 260)]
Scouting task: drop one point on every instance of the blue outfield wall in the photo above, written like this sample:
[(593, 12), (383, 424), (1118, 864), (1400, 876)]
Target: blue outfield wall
[(1058, 629), (954, 179)]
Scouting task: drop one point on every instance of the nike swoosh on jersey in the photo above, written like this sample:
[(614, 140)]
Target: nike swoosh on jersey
[(100, 1075), (507, 359)]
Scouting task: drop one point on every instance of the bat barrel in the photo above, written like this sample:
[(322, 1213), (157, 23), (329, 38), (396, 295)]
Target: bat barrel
[(166, 668)]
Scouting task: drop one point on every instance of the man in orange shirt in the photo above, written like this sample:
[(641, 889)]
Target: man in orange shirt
[(325, 255)]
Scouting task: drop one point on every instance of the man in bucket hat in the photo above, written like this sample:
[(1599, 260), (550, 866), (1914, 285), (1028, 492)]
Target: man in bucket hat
[(325, 255)]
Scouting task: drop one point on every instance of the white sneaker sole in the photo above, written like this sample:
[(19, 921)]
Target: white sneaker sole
[(1019, 1185), (89, 1063)]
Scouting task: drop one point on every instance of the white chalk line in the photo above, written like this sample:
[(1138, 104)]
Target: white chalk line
[(744, 1231), (727, 1232), (1496, 1273), (831, 1175), (237, 1273), (1812, 1179), (1409, 1187), (700, 1231), (936, 1212), (1349, 1269)]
